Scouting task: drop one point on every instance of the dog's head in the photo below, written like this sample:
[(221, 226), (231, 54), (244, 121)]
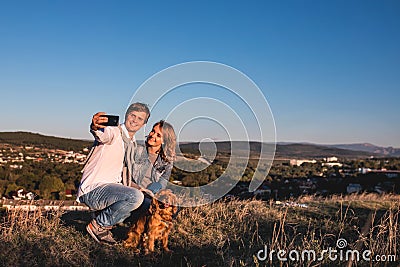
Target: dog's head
[(164, 203)]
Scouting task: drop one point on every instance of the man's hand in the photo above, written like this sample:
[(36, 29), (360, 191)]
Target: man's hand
[(97, 121)]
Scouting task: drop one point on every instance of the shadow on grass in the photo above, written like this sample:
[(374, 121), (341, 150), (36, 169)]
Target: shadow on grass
[(80, 219), (120, 256)]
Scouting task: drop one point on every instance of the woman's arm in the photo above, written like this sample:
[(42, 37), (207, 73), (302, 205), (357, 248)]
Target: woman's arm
[(163, 179)]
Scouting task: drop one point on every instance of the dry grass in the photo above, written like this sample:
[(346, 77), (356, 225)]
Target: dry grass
[(222, 234), (30, 238)]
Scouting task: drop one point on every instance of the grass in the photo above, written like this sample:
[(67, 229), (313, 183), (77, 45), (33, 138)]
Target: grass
[(221, 234)]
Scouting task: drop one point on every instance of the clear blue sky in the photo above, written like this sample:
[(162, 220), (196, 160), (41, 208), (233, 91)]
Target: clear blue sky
[(330, 70)]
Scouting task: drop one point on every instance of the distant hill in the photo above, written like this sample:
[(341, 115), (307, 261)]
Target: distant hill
[(318, 151), (224, 147), (384, 151), (290, 150), (283, 150), (38, 140)]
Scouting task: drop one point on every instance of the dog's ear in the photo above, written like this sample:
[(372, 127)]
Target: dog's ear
[(154, 206), (174, 210)]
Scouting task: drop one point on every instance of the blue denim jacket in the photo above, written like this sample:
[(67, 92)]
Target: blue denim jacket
[(161, 170)]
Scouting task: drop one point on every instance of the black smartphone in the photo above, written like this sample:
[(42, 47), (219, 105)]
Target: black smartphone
[(113, 120)]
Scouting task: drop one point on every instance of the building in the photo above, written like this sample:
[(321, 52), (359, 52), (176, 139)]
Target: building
[(298, 162), (331, 159), (43, 205), (331, 164), (388, 173)]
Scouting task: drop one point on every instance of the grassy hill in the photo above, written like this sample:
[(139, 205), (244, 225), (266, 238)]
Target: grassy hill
[(38, 140), (227, 233)]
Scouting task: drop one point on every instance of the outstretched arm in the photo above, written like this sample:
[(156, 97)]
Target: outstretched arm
[(98, 129)]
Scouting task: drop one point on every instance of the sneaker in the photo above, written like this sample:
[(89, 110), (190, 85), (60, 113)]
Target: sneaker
[(99, 233)]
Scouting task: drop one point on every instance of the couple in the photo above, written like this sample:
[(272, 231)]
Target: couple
[(119, 171)]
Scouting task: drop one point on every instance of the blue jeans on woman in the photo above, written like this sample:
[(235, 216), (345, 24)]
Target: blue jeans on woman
[(114, 201)]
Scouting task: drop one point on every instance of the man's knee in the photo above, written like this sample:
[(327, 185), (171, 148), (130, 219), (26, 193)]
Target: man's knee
[(136, 199)]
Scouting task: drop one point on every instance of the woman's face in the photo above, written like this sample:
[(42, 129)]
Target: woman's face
[(155, 138)]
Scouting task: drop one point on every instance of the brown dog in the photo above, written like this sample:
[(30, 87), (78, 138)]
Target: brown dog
[(157, 225)]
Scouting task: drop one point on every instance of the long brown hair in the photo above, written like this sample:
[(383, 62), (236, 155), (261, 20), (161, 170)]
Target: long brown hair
[(167, 150)]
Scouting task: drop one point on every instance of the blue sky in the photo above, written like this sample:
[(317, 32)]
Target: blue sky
[(329, 69)]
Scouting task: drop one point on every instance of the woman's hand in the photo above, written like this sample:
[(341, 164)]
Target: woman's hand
[(147, 191), (144, 190), (134, 185)]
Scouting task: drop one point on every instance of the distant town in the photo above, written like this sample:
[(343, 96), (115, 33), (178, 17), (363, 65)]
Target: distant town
[(33, 177), (326, 176), (15, 158), (16, 155)]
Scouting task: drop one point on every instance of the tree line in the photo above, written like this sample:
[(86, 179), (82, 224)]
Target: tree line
[(47, 178)]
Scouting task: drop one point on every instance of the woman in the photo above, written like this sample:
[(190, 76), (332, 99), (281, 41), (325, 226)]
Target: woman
[(154, 161), (153, 164)]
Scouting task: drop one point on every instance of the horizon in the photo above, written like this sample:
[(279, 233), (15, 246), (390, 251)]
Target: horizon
[(328, 70), (216, 141)]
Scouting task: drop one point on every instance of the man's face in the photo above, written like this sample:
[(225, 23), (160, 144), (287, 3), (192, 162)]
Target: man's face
[(135, 120)]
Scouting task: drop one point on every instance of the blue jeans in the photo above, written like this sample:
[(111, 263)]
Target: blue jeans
[(114, 201)]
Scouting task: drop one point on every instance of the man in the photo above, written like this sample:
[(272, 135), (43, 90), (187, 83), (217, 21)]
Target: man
[(101, 188)]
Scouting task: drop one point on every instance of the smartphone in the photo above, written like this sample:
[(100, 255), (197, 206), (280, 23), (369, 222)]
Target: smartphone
[(113, 120)]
